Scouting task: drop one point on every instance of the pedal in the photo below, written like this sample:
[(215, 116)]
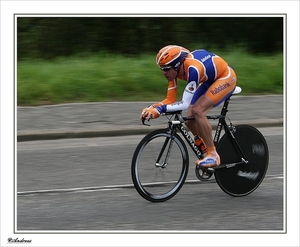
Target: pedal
[(203, 174), (210, 170)]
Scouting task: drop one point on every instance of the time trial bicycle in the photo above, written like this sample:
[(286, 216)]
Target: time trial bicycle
[(160, 162)]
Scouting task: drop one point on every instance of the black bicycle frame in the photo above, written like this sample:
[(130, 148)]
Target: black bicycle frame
[(178, 120)]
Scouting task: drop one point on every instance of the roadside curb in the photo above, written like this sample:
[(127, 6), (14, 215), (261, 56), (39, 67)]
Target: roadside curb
[(23, 136)]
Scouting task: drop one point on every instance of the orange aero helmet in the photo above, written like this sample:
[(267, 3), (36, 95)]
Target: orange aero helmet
[(171, 56)]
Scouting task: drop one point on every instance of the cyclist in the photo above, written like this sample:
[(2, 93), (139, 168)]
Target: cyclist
[(210, 81)]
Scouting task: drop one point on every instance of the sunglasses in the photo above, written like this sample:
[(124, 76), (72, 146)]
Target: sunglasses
[(167, 68)]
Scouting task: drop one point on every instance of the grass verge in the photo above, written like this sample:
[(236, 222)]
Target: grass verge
[(107, 77)]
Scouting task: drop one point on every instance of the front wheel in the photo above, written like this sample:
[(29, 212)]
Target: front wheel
[(159, 165), (241, 180)]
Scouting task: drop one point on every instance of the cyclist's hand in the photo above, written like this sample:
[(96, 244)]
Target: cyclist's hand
[(148, 108), (142, 116), (151, 113)]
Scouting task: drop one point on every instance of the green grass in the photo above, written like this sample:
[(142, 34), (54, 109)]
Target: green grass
[(107, 77)]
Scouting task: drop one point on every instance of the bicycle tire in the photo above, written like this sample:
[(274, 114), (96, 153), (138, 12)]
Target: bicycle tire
[(152, 181), (241, 180)]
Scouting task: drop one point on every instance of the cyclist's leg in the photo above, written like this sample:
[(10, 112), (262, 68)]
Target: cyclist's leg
[(199, 111), (217, 92), (192, 125), (200, 105), (202, 127)]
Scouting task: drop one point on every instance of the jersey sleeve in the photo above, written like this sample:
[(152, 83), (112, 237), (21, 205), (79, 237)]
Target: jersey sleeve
[(187, 96), (169, 104), (171, 93)]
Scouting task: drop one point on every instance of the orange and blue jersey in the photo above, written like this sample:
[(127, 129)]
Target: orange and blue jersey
[(205, 73), (202, 66)]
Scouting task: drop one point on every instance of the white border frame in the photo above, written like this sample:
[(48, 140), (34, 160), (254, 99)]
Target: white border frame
[(10, 8)]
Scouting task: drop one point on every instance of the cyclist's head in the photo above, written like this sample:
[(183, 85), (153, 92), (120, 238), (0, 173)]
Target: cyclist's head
[(171, 56)]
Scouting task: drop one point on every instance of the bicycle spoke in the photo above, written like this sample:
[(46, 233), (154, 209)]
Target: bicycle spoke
[(163, 178)]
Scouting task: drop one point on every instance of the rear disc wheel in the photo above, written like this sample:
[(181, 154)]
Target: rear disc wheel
[(241, 180)]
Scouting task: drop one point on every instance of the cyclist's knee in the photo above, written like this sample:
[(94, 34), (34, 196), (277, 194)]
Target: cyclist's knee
[(198, 111), (201, 107)]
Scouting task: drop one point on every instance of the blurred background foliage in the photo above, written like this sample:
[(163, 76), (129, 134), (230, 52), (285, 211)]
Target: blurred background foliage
[(51, 37)]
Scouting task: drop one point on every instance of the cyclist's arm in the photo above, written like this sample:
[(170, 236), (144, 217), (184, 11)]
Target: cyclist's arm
[(170, 98), (187, 96), (194, 76), (171, 94)]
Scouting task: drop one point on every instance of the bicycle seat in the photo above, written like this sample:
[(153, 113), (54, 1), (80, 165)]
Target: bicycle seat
[(237, 90)]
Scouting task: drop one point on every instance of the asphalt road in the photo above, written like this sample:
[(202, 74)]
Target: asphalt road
[(84, 185)]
